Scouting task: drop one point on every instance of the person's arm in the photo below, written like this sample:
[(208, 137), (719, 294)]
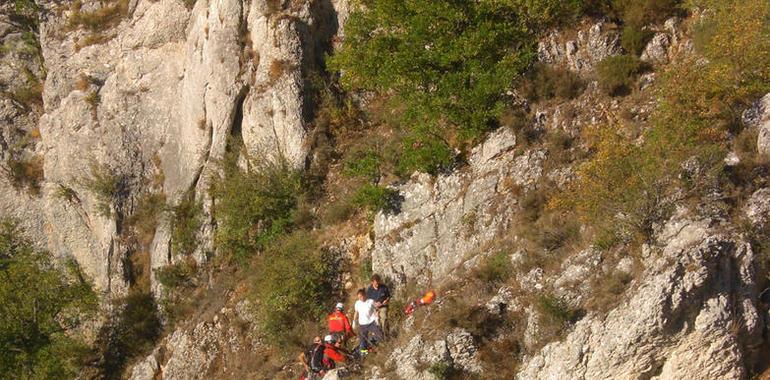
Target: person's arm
[(355, 317), (386, 292)]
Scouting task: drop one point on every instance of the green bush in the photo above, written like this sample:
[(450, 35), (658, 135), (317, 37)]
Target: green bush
[(556, 310), (442, 370), (364, 163), (544, 82), (42, 305), (254, 206), (642, 12), (617, 75), (374, 198), (495, 269), (180, 274), (131, 331), (293, 282), (444, 65), (634, 40), (186, 222), (426, 153), (106, 185)]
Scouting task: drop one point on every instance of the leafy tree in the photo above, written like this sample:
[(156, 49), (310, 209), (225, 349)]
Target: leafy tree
[(40, 305), (445, 65)]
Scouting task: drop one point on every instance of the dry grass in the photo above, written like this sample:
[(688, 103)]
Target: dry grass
[(278, 68), (25, 172), (99, 19)]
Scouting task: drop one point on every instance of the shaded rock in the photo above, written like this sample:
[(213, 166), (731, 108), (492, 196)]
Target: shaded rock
[(675, 325)]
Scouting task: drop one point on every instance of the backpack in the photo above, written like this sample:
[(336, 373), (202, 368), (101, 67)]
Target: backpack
[(315, 355)]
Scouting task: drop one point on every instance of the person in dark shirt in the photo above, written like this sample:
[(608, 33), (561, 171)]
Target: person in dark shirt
[(380, 293)]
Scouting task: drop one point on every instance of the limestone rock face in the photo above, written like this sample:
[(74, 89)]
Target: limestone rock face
[(221, 344), (758, 116), (445, 220), (591, 46), (692, 316), (413, 361), (19, 136), (161, 99)]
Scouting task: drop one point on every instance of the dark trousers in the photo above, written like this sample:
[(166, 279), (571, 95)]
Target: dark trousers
[(368, 335)]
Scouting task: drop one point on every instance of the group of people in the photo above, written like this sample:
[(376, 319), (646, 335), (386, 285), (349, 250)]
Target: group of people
[(370, 316)]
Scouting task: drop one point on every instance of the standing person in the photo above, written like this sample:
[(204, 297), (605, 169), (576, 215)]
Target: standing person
[(366, 316), (380, 293), (339, 324)]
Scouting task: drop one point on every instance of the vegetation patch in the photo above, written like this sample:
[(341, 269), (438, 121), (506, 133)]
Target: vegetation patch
[(617, 74), (254, 205), (42, 303), (106, 184), (25, 171), (186, 222), (544, 82), (293, 281), (444, 67)]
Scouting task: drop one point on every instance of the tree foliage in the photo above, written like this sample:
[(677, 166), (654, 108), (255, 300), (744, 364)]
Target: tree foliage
[(631, 184), (41, 303), (254, 205), (445, 65)]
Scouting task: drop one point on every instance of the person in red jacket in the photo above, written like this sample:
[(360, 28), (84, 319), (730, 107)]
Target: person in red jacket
[(333, 353), (339, 324)]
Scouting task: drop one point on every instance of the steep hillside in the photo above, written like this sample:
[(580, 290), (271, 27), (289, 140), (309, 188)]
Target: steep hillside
[(584, 184)]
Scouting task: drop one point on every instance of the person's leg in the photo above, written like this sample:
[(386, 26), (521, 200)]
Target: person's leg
[(375, 336), (382, 314), (363, 331)]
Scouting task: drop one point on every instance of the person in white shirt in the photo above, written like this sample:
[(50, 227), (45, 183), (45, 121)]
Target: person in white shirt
[(366, 315)]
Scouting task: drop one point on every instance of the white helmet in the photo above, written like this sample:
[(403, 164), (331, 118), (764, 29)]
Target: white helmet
[(340, 306), (329, 339)]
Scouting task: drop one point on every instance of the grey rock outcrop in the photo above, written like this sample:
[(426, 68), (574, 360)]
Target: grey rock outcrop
[(160, 98), (443, 221), (581, 54), (692, 316), (758, 116), (413, 361)]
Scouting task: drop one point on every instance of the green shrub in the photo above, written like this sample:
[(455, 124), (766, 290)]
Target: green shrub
[(496, 269), (131, 331), (364, 163), (426, 153), (180, 274), (642, 12), (186, 222), (42, 304), (106, 185), (442, 370), (293, 283), (634, 40), (544, 82), (254, 206), (374, 198), (556, 309), (617, 75), (445, 66)]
